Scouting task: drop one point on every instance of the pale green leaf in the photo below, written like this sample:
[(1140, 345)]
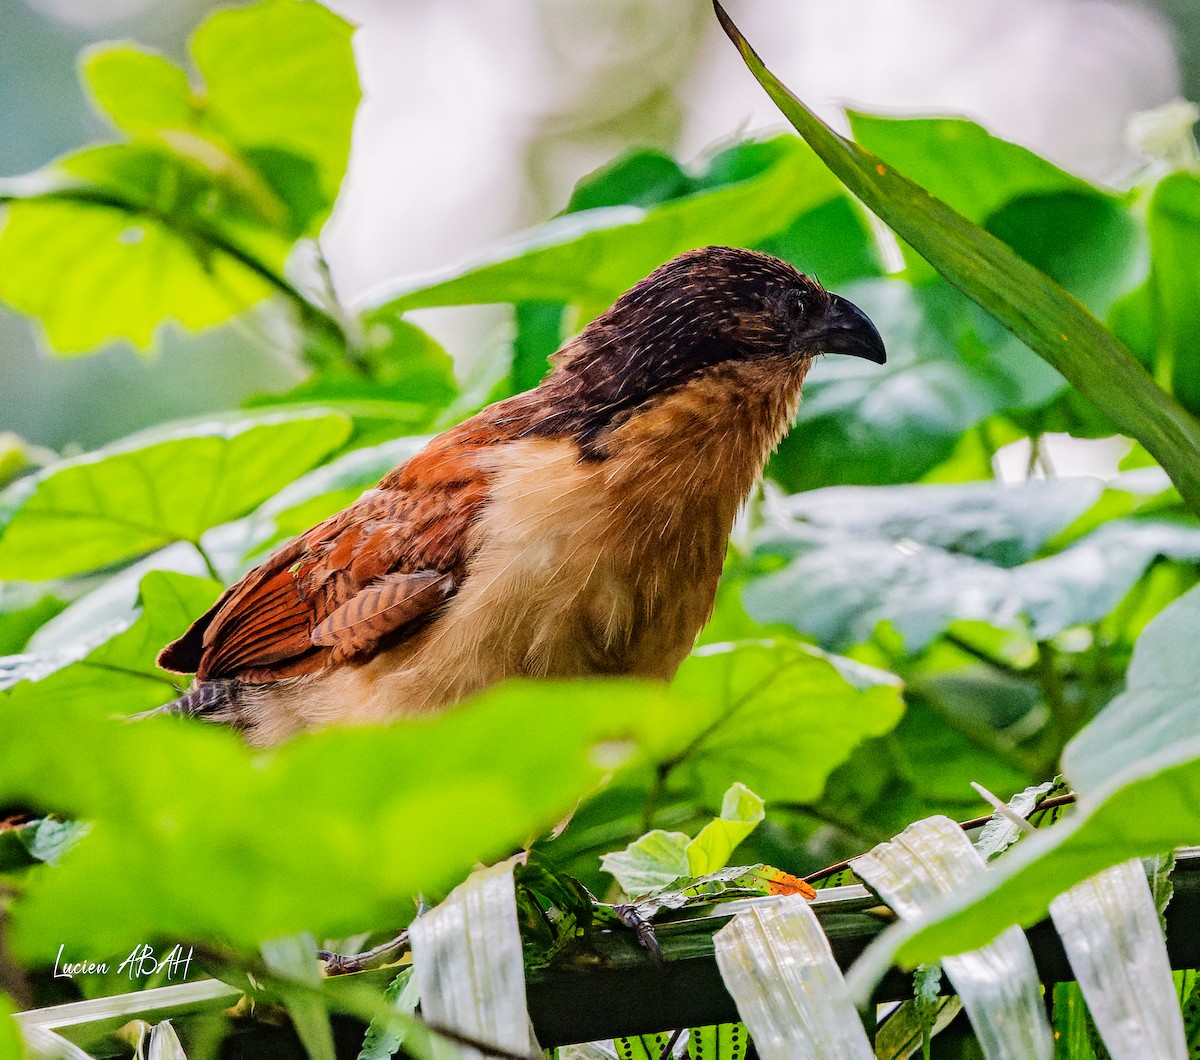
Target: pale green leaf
[(137, 496), (139, 90), (162, 862), (650, 862), (741, 812)]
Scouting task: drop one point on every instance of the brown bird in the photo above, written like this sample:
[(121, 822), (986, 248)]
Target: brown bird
[(578, 528)]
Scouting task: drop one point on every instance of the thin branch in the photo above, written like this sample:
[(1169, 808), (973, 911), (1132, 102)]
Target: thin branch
[(385, 953), (208, 562), (965, 646), (966, 826)]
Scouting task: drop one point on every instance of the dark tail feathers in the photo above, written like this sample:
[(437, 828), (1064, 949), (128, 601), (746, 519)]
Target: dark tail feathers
[(210, 700)]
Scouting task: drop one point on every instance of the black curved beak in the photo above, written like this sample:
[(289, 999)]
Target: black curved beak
[(847, 329)]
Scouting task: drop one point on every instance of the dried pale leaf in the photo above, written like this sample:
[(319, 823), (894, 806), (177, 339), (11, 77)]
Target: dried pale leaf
[(1109, 928), (469, 966), (789, 991), (998, 984), (165, 1044), (43, 1044)]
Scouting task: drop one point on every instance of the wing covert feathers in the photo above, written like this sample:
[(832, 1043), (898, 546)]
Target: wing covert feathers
[(362, 577)]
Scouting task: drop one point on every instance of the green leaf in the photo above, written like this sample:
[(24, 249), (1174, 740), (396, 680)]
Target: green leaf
[(144, 493), (46, 839), (1142, 750), (161, 862), (961, 163), (660, 858), (588, 259), (139, 90), (1024, 300), (1174, 289), (788, 716), (293, 958), (641, 177), (280, 82), (949, 368), (383, 1040), (649, 863), (90, 274), (11, 1046), (741, 812), (24, 608), (400, 364), (920, 557), (118, 674)]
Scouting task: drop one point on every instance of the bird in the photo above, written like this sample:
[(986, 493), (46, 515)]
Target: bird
[(575, 529)]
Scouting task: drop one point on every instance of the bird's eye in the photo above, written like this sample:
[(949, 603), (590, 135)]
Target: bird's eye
[(798, 304)]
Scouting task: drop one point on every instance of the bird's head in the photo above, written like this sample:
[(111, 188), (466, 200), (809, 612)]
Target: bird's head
[(698, 314), (721, 304)]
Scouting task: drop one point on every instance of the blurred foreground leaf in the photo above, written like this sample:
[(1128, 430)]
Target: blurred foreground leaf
[(194, 835)]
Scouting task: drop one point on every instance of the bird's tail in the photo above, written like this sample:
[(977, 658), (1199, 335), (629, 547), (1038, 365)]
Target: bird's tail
[(210, 700)]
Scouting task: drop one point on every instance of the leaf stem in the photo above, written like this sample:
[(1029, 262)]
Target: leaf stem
[(208, 562)]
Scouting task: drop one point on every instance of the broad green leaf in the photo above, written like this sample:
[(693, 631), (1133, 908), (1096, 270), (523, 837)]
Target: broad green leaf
[(280, 82), (788, 716), (1174, 290), (118, 674), (1141, 751), (139, 90), (660, 858), (11, 1046), (1024, 300), (884, 785), (24, 608), (649, 863), (741, 812), (126, 500), (162, 862), (963, 164), (588, 259), (110, 241), (949, 368), (641, 177), (90, 274), (858, 557)]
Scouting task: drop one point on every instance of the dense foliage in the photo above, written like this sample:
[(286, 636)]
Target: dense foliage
[(978, 627)]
